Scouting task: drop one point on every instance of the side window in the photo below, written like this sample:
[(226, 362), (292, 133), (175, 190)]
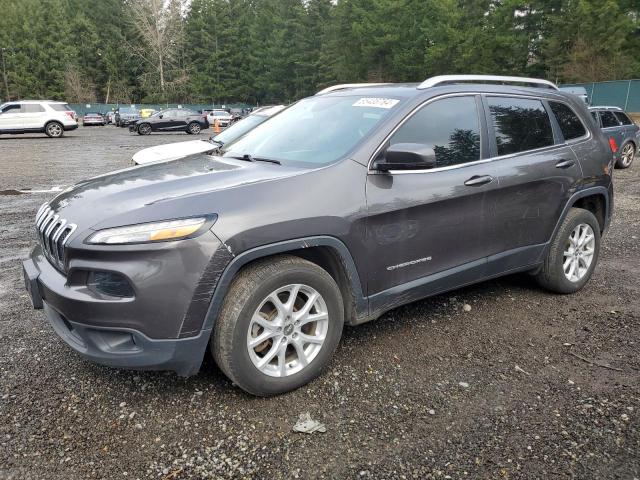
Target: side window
[(623, 118), (31, 108), (450, 126), (570, 124), (13, 108), (608, 119), (520, 124), (170, 114)]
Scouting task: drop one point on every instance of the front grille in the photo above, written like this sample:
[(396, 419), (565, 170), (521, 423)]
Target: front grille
[(53, 234)]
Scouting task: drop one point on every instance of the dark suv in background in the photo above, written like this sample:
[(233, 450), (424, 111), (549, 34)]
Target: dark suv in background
[(343, 206), (619, 127)]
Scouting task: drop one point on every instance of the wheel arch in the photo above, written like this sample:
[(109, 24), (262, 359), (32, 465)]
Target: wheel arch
[(594, 199), (327, 252)]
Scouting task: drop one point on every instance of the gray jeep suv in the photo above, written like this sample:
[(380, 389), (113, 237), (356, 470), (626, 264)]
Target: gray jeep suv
[(345, 205)]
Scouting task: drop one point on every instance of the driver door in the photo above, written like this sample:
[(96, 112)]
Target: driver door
[(11, 118), (426, 228)]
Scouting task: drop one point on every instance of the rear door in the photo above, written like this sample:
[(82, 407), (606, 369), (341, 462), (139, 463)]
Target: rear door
[(536, 170), (431, 223), (11, 118), (611, 126), (32, 116)]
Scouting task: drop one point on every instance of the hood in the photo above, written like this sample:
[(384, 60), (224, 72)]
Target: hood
[(160, 191), (171, 151)]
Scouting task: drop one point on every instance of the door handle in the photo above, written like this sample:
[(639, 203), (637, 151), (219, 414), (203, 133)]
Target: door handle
[(478, 180), (565, 163)]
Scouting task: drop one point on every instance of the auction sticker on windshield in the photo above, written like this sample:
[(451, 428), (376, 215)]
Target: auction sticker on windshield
[(376, 102)]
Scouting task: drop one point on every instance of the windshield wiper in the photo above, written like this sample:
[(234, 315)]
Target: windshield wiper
[(248, 158)]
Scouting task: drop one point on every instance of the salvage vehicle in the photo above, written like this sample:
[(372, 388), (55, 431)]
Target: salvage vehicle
[(342, 207), (171, 120), (89, 119), (37, 116), (223, 117), (620, 129), (172, 151), (125, 116)]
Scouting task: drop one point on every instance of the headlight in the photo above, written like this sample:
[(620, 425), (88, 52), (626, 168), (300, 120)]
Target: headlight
[(148, 232)]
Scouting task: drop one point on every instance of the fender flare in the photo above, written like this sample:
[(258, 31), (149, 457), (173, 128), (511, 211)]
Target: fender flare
[(256, 253), (599, 190)]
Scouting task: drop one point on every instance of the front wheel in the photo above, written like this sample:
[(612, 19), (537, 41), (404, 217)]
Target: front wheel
[(573, 253), (627, 154), (194, 128), (279, 325), (144, 129), (54, 129)]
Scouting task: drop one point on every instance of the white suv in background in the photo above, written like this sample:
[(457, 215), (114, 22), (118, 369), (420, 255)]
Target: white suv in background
[(37, 116)]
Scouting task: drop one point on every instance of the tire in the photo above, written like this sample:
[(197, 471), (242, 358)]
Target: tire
[(627, 154), (194, 128), (553, 275), (144, 129), (54, 129), (249, 291)]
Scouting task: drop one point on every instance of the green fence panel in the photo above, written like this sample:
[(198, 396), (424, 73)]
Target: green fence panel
[(618, 93)]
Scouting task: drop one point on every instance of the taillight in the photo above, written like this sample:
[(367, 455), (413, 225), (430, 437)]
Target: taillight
[(71, 115), (613, 144)]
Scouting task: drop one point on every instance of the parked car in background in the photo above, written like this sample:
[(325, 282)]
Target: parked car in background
[(37, 116), (223, 117), (579, 92), (173, 151), (147, 112), (109, 117), (171, 120), (617, 125), (89, 119), (126, 115), (345, 205)]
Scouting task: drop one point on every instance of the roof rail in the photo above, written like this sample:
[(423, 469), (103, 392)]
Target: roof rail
[(441, 79), (342, 86), (606, 107)]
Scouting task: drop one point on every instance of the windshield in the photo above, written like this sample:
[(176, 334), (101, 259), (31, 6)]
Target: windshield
[(315, 131), (220, 114), (128, 110), (238, 129)]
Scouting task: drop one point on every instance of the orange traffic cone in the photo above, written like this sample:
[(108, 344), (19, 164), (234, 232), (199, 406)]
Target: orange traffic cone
[(216, 126)]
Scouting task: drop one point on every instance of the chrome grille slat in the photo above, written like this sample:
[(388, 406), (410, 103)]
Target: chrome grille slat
[(53, 234)]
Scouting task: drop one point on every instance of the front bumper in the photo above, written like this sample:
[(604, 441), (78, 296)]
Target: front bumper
[(148, 331)]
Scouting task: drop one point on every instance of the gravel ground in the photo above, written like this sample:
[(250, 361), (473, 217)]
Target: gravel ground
[(523, 385)]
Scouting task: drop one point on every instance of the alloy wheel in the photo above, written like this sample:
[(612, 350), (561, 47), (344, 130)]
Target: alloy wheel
[(54, 129), (578, 252), (628, 152), (287, 330)]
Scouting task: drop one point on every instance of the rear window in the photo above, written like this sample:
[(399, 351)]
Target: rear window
[(60, 107), (623, 118), (608, 119), (570, 124), (520, 124)]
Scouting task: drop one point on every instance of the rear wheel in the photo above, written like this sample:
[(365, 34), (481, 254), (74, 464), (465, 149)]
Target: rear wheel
[(194, 128), (144, 129), (54, 129), (279, 325), (627, 154), (573, 253)]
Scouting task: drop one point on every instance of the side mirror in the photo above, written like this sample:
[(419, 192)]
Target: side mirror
[(160, 116), (406, 156)]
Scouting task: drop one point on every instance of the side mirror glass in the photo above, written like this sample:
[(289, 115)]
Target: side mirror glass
[(407, 156)]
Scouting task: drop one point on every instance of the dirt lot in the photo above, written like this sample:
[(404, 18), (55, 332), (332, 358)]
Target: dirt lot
[(428, 391)]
